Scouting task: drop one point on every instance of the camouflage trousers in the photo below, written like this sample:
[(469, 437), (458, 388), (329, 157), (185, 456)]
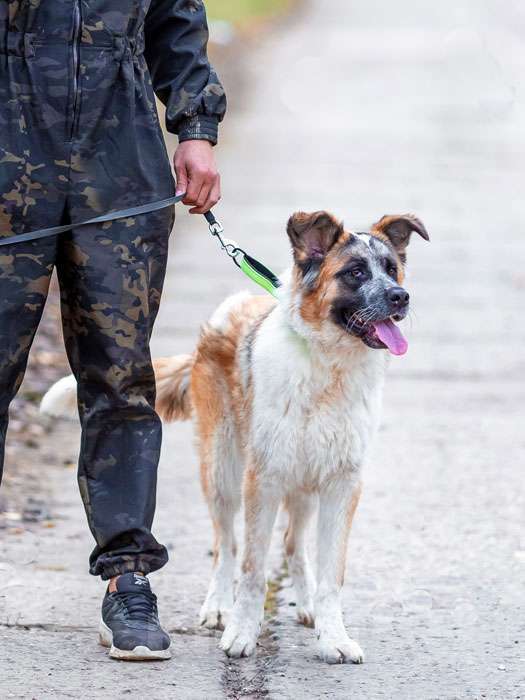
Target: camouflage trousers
[(80, 136), (110, 285)]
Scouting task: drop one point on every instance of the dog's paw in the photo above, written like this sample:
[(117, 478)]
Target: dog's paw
[(213, 617), (339, 650), (305, 616), (216, 609), (240, 639)]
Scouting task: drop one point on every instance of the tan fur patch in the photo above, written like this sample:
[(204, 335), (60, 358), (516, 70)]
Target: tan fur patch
[(216, 382), (350, 512), (172, 375), (251, 506), (316, 305)]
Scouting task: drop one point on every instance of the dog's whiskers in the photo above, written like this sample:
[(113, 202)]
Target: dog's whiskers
[(361, 317), (368, 313)]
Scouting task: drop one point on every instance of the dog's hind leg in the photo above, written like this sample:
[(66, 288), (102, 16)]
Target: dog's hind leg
[(338, 500), (261, 501), (221, 476), (300, 506)]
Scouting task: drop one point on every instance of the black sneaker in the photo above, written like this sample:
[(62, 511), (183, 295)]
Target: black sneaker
[(130, 623)]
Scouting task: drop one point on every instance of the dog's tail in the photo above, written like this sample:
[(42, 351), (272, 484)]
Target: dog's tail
[(172, 374), (61, 400)]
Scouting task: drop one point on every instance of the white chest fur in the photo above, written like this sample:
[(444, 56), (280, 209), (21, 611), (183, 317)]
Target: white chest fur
[(314, 412)]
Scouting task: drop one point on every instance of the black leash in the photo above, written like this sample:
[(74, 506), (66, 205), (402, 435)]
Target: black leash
[(111, 216), (250, 266)]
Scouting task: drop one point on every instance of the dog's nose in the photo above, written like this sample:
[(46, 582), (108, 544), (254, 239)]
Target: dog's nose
[(397, 297)]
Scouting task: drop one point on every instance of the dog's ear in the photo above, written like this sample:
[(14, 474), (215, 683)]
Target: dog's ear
[(398, 228), (312, 235)]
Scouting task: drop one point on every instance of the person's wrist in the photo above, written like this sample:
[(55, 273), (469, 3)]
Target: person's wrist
[(200, 127)]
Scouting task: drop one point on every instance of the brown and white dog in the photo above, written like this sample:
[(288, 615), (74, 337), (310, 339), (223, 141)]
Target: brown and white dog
[(287, 395)]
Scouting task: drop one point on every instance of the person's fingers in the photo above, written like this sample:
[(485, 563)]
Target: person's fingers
[(213, 197), (200, 184), (203, 196), (181, 176), (195, 184), (204, 193)]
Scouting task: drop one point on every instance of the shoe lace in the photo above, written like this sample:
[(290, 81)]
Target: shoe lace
[(140, 605)]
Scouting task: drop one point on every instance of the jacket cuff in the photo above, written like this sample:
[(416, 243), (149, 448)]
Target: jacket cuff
[(198, 127)]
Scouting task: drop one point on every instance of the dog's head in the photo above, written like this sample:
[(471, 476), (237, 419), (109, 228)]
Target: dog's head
[(350, 285)]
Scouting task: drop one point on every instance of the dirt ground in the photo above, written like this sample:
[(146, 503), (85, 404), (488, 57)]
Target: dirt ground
[(366, 109)]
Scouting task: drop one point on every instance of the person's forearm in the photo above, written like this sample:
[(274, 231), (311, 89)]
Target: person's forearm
[(176, 35)]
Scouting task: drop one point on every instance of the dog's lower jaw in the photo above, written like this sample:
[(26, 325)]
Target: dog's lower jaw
[(329, 343)]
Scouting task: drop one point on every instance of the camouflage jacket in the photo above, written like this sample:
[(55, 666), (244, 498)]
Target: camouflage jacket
[(173, 35)]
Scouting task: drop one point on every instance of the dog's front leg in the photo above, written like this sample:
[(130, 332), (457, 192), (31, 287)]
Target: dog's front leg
[(261, 500), (338, 501)]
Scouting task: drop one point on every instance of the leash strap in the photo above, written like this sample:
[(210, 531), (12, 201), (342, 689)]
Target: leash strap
[(111, 216), (251, 267)]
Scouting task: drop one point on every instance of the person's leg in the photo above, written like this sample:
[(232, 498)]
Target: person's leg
[(25, 272), (111, 280), (32, 196)]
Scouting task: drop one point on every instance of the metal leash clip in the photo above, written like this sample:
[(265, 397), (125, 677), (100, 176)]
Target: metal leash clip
[(251, 267), (229, 246)]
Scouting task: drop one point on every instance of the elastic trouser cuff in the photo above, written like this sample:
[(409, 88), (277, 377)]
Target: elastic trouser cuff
[(106, 568)]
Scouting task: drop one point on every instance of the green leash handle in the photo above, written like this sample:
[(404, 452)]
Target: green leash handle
[(251, 267), (260, 274)]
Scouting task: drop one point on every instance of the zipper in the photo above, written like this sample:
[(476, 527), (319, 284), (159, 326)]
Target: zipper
[(77, 22)]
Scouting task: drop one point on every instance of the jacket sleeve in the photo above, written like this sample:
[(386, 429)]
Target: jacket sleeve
[(176, 37)]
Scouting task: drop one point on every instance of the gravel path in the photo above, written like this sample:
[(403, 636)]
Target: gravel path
[(363, 108)]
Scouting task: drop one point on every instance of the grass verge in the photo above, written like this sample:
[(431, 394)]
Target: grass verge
[(241, 12)]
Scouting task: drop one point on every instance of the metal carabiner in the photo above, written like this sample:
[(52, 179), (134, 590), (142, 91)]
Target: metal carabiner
[(229, 246)]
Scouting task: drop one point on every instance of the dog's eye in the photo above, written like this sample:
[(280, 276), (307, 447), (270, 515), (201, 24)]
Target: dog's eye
[(356, 272), (391, 270)]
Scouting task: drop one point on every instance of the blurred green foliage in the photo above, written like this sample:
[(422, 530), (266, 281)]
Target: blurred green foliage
[(239, 11)]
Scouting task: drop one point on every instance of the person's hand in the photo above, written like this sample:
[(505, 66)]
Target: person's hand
[(197, 175)]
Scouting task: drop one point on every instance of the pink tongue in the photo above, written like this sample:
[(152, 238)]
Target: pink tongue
[(389, 334)]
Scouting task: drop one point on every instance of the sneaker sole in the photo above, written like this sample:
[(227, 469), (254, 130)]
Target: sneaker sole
[(140, 653)]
